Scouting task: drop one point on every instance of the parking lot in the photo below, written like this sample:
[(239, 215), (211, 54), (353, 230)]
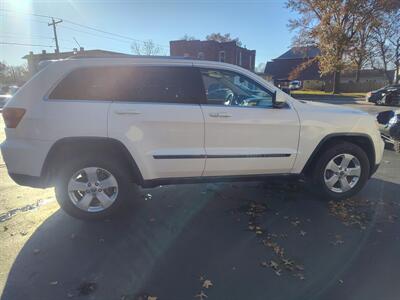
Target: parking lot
[(254, 240)]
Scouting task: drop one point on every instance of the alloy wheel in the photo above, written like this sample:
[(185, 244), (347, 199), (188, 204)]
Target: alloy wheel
[(342, 173), (92, 189)]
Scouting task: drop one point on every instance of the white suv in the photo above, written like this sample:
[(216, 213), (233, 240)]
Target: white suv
[(94, 127)]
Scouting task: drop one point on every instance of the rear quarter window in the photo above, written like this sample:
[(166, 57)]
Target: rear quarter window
[(136, 84)]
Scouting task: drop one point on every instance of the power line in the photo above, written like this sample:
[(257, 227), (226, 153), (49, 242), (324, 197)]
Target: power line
[(22, 44), (84, 26)]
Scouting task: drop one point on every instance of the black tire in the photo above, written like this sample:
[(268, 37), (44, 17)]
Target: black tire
[(116, 167), (326, 156), (396, 146)]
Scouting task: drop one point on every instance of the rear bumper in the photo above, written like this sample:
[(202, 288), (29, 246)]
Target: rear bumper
[(25, 156), (27, 180)]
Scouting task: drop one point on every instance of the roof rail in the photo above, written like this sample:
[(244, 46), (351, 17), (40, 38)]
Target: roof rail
[(126, 56)]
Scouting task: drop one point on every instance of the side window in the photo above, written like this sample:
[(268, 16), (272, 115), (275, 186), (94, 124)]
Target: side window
[(136, 84), (232, 89)]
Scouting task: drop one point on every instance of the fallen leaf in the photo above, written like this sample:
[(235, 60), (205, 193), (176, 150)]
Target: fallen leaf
[(86, 288), (278, 272), (53, 282), (207, 284), (273, 264), (302, 233), (201, 295)]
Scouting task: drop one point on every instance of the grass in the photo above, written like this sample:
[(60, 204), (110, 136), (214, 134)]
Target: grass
[(322, 93)]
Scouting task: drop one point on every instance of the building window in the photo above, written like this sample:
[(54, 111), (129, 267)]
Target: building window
[(251, 62), (240, 58), (200, 55), (186, 55), (222, 56)]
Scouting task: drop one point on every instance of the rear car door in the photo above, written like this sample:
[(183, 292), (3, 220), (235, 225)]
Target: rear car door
[(157, 116), (244, 133)]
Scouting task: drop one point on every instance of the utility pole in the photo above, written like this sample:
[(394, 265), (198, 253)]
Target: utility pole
[(53, 23)]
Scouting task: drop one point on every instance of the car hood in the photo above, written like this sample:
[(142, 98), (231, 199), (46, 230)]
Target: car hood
[(332, 108)]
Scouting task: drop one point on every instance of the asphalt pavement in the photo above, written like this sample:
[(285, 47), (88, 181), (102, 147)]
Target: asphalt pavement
[(254, 240)]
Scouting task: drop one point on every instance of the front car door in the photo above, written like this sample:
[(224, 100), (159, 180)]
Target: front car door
[(244, 133), (158, 118)]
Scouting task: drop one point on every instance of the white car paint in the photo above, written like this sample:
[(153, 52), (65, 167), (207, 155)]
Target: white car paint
[(149, 129)]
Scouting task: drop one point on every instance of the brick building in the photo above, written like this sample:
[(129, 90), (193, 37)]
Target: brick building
[(227, 52), (35, 59)]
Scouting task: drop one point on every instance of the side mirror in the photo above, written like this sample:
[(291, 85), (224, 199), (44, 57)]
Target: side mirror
[(278, 100)]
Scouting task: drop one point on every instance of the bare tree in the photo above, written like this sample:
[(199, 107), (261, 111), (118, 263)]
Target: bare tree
[(381, 34), (223, 38), (361, 49), (13, 74), (394, 40), (146, 48), (187, 37)]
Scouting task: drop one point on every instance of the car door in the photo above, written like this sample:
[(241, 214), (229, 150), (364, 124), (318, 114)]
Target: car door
[(157, 117), (244, 133)]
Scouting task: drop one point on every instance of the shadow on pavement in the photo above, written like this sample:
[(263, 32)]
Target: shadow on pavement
[(163, 245)]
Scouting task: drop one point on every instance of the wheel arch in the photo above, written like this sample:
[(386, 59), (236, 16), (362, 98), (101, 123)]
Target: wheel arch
[(72, 146), (364, 141)]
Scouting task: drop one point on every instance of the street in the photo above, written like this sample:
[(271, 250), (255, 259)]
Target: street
[(245, 240)]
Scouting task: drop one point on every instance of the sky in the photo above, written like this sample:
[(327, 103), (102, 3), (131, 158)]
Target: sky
[(261, 25)]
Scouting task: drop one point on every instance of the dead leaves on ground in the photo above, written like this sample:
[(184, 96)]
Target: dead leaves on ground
[(206, 284), (281, 263)]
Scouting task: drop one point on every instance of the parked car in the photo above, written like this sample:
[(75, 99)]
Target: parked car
[(389, 126), (388, 95), (4, 99), (295, 85), (95, 127), (6, 94)]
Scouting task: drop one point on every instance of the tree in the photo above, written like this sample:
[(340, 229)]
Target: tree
[(361, 49), (218, 37), (13, 74), (260, 68), (146, 48), (187, 37), (394, 40), (381, 35), (332, 25)]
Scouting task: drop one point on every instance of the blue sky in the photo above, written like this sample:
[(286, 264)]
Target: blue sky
[(260, 25)]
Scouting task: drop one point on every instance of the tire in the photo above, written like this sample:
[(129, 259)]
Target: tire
[(323, 175), (116, 173), (396, 146)]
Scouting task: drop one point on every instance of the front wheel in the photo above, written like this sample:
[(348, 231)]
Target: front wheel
[(341, 171), (93, 188)]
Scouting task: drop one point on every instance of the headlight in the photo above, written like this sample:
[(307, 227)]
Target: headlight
[(393, 121)]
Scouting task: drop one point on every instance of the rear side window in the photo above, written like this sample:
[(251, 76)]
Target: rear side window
[(136, 83)]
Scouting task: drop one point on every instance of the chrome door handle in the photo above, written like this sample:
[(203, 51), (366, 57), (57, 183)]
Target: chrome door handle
[(220, 115), (127, 112)]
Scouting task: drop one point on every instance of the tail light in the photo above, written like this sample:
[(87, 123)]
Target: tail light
[(12, 116)]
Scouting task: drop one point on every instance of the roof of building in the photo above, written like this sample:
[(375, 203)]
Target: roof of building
[(300, 53), (281, 69), (92, 53)]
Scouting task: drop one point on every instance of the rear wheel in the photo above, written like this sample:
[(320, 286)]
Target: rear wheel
[(93, 188), (341, 171)]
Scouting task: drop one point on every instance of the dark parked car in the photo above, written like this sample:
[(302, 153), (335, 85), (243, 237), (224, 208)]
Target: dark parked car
[(389, 126), (388, 95)]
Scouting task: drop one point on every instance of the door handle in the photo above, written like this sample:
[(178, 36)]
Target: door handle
[(220, 115), (127, 112)]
